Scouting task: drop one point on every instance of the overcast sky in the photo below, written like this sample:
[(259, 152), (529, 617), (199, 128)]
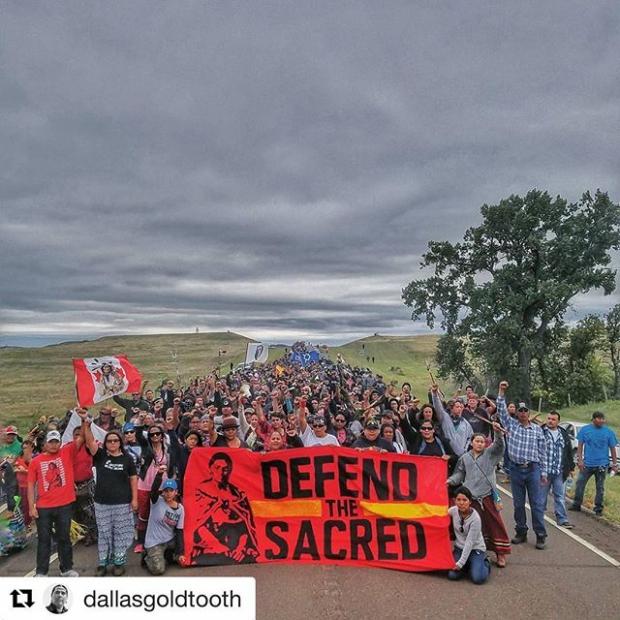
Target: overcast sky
[(277, 168)]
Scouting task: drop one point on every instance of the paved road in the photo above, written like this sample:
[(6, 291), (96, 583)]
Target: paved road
[(565, 581)]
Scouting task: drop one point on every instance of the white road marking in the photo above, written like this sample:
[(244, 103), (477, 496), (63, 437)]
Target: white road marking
[(53, 558), (570, 534)]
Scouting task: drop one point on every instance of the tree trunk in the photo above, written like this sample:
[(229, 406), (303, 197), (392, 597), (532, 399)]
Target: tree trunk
[(615, 364), (525, 363)]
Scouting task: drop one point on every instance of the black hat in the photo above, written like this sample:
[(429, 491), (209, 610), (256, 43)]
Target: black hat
[(523, 407), (372, 424), (225, 403)]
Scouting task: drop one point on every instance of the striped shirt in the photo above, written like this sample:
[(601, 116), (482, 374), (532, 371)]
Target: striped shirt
[(526, 444), (555, 450)]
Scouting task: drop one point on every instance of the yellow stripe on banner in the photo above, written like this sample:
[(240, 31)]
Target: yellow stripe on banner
[(287, 508), (400, 510)]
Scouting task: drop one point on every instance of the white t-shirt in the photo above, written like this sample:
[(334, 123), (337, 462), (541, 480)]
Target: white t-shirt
[(310, 439), (163, 520)]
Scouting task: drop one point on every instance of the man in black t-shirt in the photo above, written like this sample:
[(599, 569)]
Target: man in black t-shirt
[(370, 440)]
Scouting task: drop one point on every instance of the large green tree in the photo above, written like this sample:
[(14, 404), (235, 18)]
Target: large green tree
[(502, 292), (612, 329)]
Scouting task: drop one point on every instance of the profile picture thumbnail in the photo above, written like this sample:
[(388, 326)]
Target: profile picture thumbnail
[(59, 600)]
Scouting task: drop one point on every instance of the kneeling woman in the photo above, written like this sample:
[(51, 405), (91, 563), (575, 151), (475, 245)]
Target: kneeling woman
[(164, 532), (469, 548)]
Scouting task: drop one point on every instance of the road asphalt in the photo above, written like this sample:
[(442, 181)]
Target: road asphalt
[(566, 580)]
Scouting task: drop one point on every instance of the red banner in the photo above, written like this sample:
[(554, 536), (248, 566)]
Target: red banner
[(316, 505)]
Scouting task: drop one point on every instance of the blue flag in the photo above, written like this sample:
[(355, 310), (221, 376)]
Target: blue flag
[(305, 359)]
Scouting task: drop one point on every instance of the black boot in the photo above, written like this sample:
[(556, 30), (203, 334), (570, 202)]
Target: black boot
[(519, 538)]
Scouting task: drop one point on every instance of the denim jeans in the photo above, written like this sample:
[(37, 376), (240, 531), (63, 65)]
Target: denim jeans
[(599, 474), (477, 566), (557, 486), (527, 481), (60, 520), (507, 462)]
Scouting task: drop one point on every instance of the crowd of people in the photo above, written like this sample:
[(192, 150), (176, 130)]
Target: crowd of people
[(120, 474)]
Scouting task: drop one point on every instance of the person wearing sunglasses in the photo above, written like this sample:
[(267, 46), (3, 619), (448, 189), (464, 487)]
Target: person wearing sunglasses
[(341, 431), (116, 498), (469, 549), (130, 441), (159, 453), (370, 439), (316, 435)]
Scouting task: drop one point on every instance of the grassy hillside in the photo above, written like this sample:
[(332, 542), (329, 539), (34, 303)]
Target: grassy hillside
[(35, 382), (399, 358), (583, 413), (39, 381)]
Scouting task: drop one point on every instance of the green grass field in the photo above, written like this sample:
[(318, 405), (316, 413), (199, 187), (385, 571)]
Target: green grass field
[(36, 382), (396, 358), (583, 413)]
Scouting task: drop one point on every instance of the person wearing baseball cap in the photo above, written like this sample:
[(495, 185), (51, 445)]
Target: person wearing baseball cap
[(527, 449), (370, 439), (163, 543), (51, 474), (11, 444)]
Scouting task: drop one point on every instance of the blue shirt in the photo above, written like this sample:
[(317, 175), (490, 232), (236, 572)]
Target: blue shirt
[(526, 444), (596, 441)]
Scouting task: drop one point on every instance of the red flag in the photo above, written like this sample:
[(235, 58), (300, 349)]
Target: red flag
[(320, 505), (99, 378)]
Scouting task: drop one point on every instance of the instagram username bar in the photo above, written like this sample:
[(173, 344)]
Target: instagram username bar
[(103, 598), (168, 600)]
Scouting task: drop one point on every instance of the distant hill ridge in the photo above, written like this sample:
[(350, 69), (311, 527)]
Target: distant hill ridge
[(39, 381)]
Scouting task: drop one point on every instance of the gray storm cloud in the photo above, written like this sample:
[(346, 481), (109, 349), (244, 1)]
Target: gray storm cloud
[(278, 168)]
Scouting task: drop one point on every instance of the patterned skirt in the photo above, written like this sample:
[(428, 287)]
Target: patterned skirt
[(493, 529), (115, 528)]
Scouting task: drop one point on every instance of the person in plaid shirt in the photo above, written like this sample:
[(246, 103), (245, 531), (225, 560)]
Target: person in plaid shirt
[(527, 450)]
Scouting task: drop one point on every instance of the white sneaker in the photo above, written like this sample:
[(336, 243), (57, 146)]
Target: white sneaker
[(70, 573), (40, 575)]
